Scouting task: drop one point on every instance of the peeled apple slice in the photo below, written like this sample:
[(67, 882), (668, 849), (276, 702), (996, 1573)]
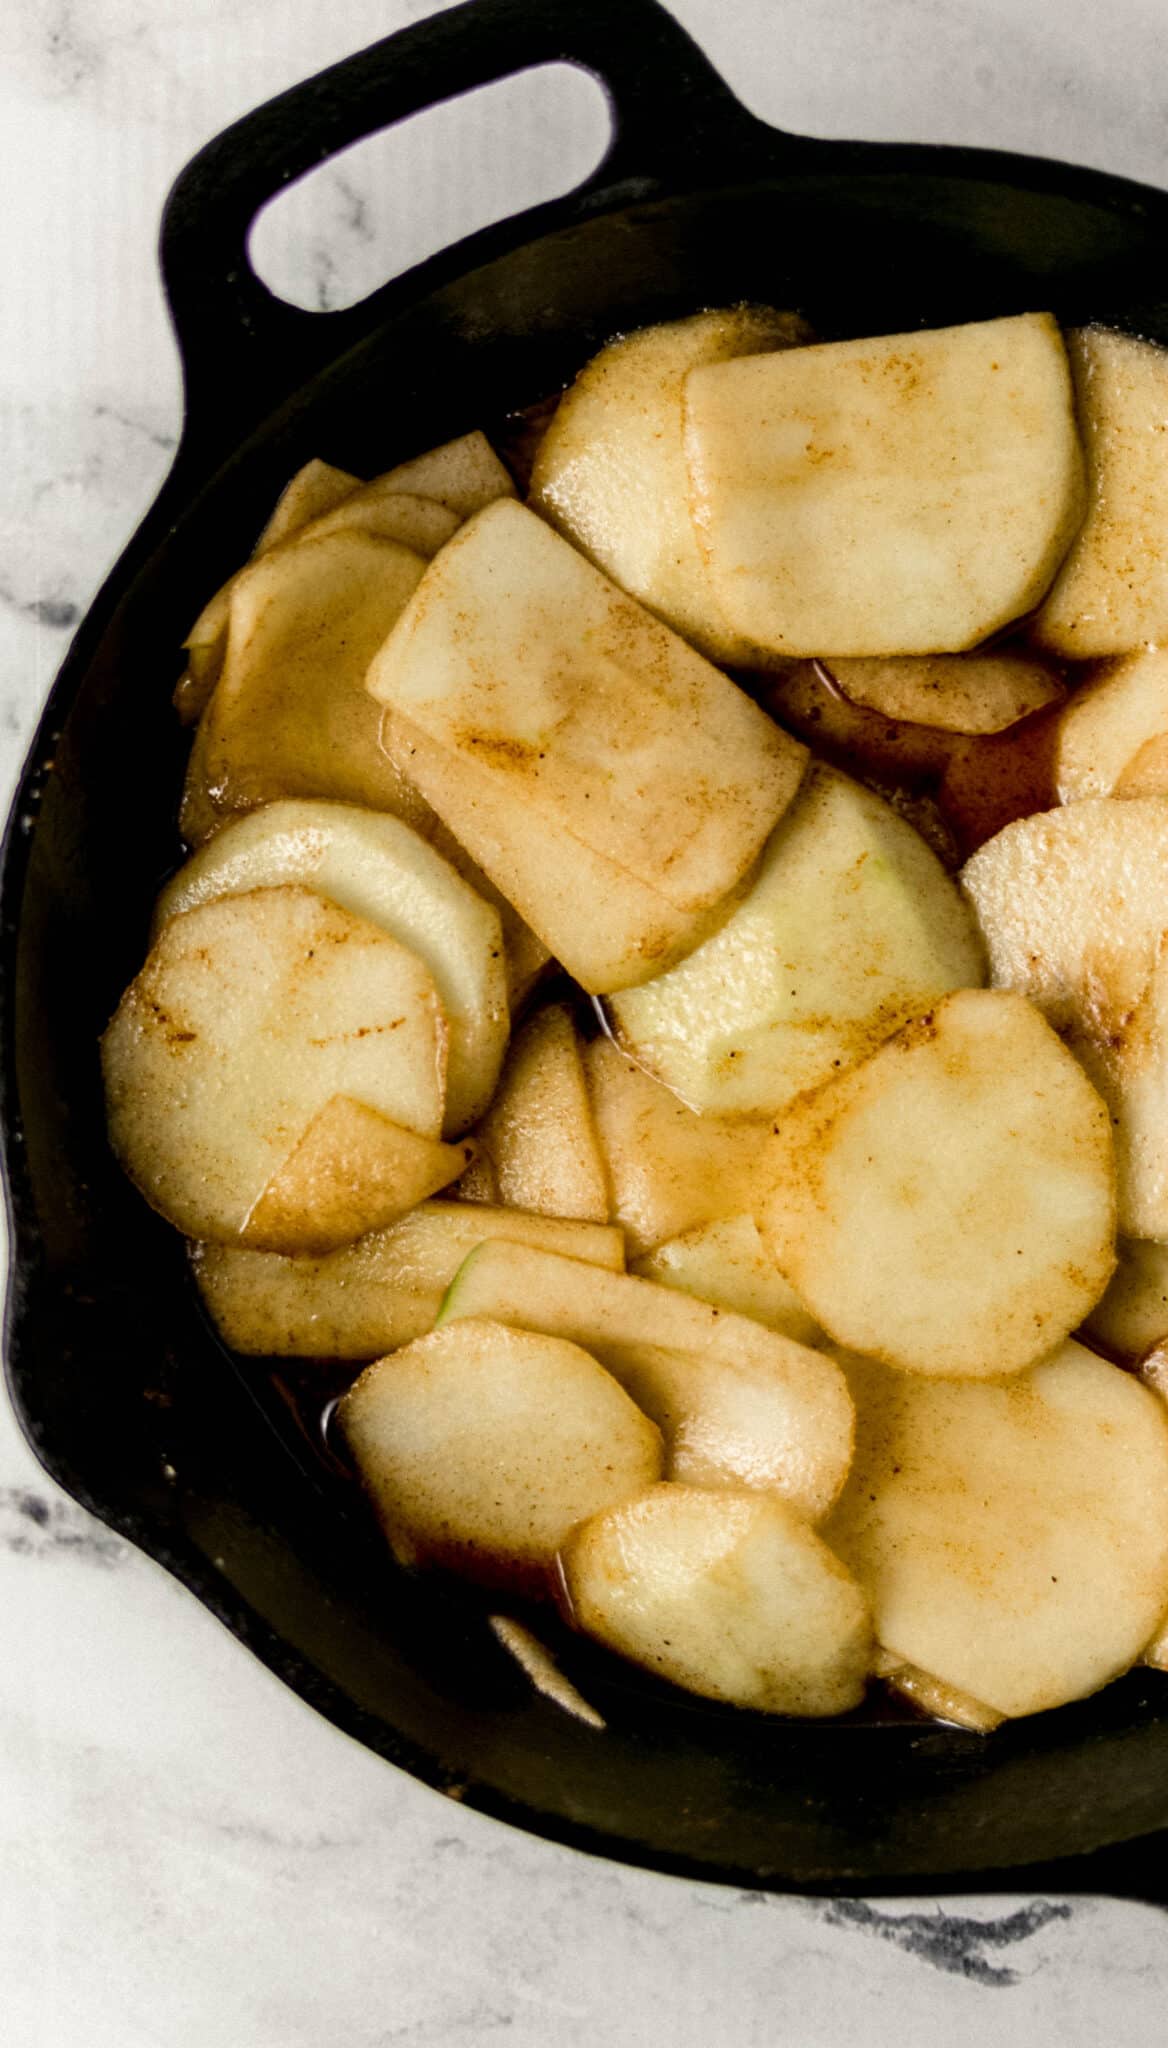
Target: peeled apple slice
[(367, 1298), (371, 864), (352, 1171), (727, 1264), (1109, 722), (850, 927), (963, 693), (949, 1206), (910, 494), (1011, 1535), (729, 1595), (611, 472), (1132, 1317), (537, 1146), (464, 475), (251, 1014), (482, 1447)]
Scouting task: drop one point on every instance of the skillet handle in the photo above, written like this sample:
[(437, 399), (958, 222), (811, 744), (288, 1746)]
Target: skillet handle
[(243, 349)]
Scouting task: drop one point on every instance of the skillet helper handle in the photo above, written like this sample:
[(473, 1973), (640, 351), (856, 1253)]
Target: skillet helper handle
[(243, 349)]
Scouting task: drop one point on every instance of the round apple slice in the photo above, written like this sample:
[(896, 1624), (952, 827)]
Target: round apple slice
[(250, 1017), (373, 865)]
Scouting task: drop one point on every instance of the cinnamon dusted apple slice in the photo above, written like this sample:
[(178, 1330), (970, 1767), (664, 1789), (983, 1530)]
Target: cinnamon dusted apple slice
[(373, 865), (739, 1405), (729, 1595), (850, 927), (727, 1264), (1132, 1316), (464, 475), (668, 1168), (589, 732), (1108, 724), (250, 1016), (949, 1206), (1011, 1535), (290, 716), (910, 494), (366, 1298), (963, 693), (611, 472), (481, 1447), (537, 1146), (1112, 594), (1073, 911), (941, 1702), (352, 1171), (315, 489)]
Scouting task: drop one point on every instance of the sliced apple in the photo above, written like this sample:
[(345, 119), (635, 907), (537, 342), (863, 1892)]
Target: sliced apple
[(727, 1264), (371, 864), (611, 472), (1112, 595), (591, 726), (1132, 1317), (537, 1145), (804, 697), (250, 1015), (910, 494), (481, 1447), (739, 1405), (1011, 1535), (1073, 911), (729, 1595), (988, 782), (369, 1297), (315, 489), (851, 927), (949, 1206), (464, 475), (290, 716), (1109, 722), (963, 693), (352, 1171), (941, 1702)]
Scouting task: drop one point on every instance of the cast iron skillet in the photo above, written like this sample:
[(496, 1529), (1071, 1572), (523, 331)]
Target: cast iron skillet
[(125, 1395)]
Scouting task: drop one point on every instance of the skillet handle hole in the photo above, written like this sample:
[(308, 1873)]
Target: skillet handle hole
[(392, 199)]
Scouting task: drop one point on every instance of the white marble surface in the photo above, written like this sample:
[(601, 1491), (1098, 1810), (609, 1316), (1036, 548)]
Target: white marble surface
[(190, 1856)]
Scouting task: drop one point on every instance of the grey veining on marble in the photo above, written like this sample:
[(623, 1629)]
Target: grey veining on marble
[(190, 1856)]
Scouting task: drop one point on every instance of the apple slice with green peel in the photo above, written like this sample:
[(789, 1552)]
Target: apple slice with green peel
[(369, 1297), (371, 864), (1011, 1535), (593, 731), (250, 1015), (1132, 1317), (729, 1595), (851, 927), (1072, 907), (910, 494), (739, 1405), (464, 475), (727, 1264), (481, 1447), (949, 1206), (669, 1169), (290, 716), (962, 693), (611, 471), (1112, 594), (1108, 723), (537, 1146)]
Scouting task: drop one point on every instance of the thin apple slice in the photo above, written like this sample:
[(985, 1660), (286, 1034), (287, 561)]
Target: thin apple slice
[(537, 1144), (910, 494), (941, 1702), (1108, 723), (806, 699), (988, 782), (727, 1264), (290, 716), (1072, 907), (481, 1447), (962, 693), (729, 1595), (611, 472), (371, 864), (369, 1297), (739, 1405), (949, 1206), (1146, 773), (592, 725), (250, 1015), (464, 475), (315, 489), (668, 1168), (851, 927), (1012, 1535), (1132, 1317), (351, 1172), (1112, 594)]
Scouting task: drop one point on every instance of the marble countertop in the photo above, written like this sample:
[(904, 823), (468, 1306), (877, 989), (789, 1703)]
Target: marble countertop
[(191, 1856)]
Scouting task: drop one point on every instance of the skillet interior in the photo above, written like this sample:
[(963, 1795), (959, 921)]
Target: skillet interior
[(125, 1393)]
